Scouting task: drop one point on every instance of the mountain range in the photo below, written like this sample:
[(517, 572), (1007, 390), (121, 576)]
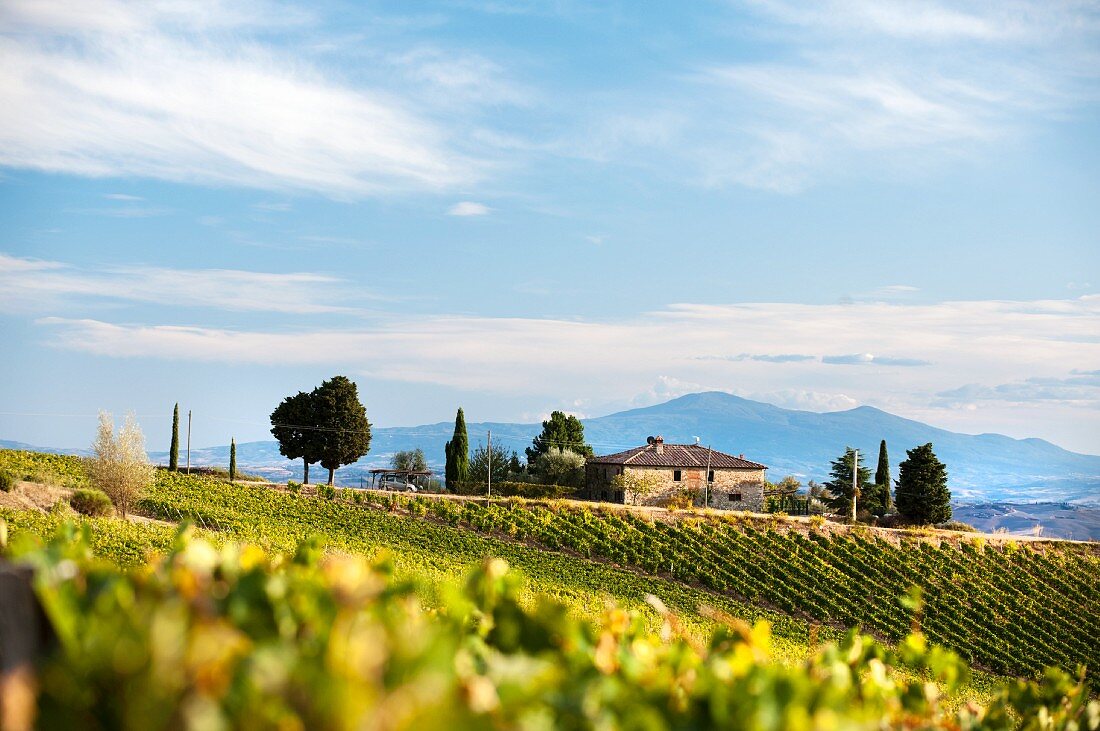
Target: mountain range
[(982, 468)]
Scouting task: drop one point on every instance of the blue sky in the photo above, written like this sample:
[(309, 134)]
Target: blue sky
[(517, 207)]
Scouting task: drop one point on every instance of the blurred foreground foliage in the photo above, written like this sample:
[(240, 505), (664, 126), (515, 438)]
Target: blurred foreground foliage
[(231, 636)]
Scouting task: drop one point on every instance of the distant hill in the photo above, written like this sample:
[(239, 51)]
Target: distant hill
[(983, 468)]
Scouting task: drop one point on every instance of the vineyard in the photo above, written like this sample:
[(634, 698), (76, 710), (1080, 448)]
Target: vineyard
[(233, 637), (1014, 609)]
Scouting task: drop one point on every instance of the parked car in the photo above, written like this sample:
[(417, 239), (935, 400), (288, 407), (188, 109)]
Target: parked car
[(395, 482)]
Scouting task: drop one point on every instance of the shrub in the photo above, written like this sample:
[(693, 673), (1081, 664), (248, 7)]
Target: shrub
[(7, 482), (957, 525), (680, 500), (89, 501), (62, 509), (326, 491), (294, 487), (816, 521)]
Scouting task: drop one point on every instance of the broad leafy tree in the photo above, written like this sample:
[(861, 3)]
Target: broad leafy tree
[(412, 459), (637, 485), (840, 487), (457, 469), (559, 432), (922, 493), (293, 424), (561, 467), (341, 423)]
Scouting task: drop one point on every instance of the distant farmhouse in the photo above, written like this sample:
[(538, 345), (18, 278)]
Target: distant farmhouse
[(733, 482)]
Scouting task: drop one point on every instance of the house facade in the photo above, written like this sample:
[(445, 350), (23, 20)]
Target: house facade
[(729, 482)]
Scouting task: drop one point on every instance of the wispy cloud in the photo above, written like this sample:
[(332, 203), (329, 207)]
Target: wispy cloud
[(869, 359), (857, 88), (984, 342), (36, 285), (761, 357), (1079, 386), (468, 208), (146, 89)]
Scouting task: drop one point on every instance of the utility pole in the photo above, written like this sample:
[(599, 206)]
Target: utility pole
[(189, 441), (489, 477), (855, 481), (706, 480)]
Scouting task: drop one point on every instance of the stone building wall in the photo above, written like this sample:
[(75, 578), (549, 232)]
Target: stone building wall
[(732, 489)]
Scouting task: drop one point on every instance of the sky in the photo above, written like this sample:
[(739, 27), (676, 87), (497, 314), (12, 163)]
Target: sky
[(517, 207)]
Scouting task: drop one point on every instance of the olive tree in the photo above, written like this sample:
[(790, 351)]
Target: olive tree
[(637, 484), (120, 466)]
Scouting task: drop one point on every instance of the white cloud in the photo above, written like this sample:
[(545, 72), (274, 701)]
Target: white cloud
[(984, 342), (36, 285), (857, 88), (468, 208), (150, 89), (871, 359)]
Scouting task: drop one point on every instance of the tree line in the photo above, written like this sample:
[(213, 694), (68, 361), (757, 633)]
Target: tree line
[(920, 496), (556, 456)]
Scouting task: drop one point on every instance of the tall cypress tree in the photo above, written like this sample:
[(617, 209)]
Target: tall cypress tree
[(174, 450), (458, 454), (232, 459), (882, 477), (922, 494)]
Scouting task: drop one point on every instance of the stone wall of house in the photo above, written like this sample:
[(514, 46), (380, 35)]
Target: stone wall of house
[(732, 489)]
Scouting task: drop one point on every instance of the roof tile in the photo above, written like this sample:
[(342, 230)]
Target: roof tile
[(677, 455)]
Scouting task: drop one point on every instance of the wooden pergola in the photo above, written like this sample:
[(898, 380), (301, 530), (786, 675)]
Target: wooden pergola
[(378, 473)]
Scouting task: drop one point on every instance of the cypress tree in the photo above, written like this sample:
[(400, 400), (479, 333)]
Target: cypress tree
[(232, 459), (882, 477), (458, 454), (922, 494), (174, 450)]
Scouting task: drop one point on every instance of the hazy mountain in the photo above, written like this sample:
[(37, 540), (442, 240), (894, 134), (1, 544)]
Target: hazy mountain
[(984, 467)]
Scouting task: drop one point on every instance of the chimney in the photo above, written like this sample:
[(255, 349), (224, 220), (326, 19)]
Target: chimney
[(741, 456), (659, 442)]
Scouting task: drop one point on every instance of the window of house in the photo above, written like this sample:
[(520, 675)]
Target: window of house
[(735, 497), (676, 475), (710, 476), (618, 496)]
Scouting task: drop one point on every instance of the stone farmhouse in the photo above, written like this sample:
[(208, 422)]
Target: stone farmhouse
[(731, 482)]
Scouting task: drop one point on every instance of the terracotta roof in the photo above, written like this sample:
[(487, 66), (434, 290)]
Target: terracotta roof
[(677, 455)]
